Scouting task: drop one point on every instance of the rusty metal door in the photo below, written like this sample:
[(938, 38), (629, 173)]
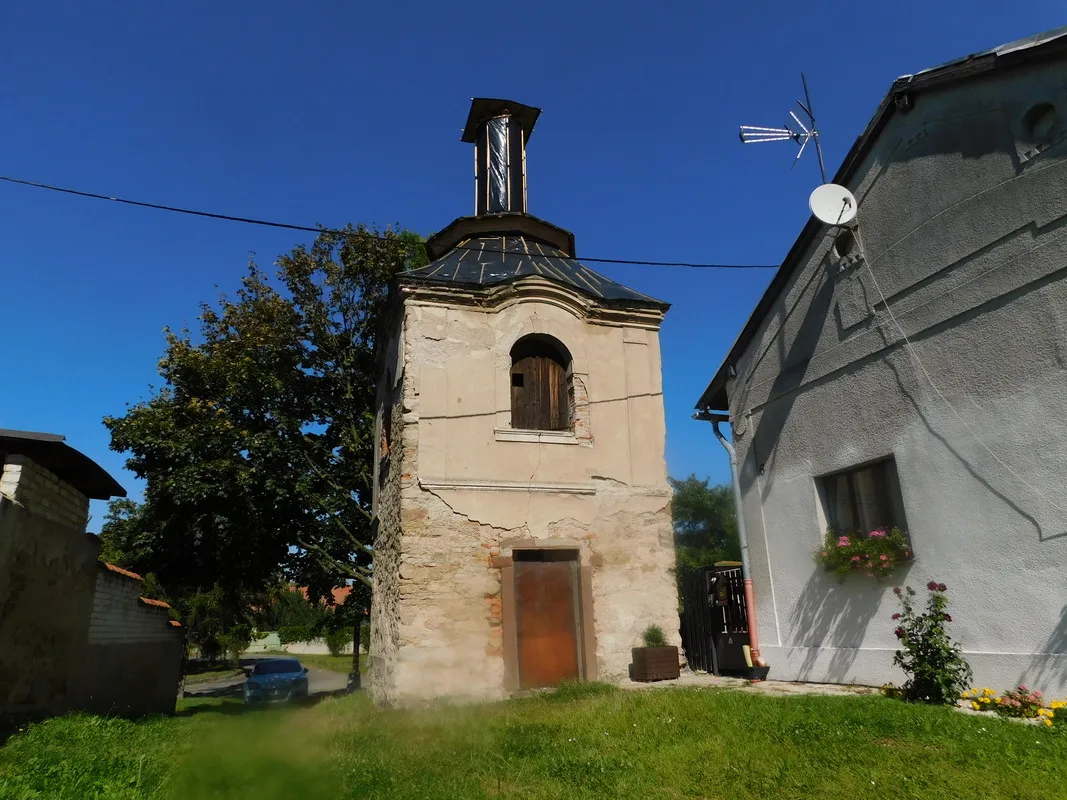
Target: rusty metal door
[(547, 618)]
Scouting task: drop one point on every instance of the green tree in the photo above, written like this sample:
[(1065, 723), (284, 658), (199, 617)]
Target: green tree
[(217, 622), (705, 523), (257, 450), (124, 539)]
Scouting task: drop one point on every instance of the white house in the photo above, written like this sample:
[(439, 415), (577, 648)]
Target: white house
[(915, 375)]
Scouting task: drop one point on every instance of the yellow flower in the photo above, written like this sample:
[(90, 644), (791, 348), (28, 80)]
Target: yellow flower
[(1048, 723), (986, 700), (989, 692), (975, 706), (1042, 711)]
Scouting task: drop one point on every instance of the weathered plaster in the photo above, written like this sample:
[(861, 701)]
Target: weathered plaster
[(462, 492)]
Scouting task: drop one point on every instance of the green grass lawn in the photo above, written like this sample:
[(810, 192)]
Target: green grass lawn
[(585, 741)]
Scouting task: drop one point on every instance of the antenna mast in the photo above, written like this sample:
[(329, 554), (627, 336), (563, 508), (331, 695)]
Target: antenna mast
[(797, 131)]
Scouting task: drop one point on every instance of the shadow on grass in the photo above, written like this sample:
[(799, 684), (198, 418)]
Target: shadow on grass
[(231, 706)]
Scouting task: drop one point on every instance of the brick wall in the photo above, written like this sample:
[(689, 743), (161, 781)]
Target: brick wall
[(43, 494), (120, 616), (132, 661)]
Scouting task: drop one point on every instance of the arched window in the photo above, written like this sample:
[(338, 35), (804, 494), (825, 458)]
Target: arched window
[(540, 384)]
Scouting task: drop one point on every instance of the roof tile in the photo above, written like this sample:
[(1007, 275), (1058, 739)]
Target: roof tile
[(121, 571)]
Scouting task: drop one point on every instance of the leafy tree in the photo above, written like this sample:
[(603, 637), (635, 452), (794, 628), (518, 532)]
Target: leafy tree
[(124, 539), (288, 608), (705, 523), (217, 622), (257, 450)]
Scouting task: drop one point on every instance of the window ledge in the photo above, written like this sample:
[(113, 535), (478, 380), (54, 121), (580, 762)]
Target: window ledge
[(538, 437)]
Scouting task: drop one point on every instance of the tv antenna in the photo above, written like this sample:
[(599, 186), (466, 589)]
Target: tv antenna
[(795, 130)]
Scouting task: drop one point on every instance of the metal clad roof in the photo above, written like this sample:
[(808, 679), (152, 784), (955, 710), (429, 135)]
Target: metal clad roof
[(69, 465), (479, 262)]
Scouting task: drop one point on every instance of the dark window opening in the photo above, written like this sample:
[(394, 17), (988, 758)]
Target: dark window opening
[(545, 555), (540, 385), (844, 244), (864, 499), (1040, 121)]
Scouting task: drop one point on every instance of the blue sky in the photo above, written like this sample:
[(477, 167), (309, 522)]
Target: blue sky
[(344, 112)]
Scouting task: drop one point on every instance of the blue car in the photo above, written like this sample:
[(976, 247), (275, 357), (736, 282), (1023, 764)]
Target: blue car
[(276, 680)]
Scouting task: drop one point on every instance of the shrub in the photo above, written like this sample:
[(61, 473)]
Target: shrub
[(1021, 702), (364, 636), (937, 672), (337, 640), (875, 554), (235, 641), (891, 690), (653, 636), (295, 633)]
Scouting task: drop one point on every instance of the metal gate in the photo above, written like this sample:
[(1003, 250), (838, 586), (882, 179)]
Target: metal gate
[(715, 619)]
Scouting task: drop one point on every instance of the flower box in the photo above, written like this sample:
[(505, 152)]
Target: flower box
[(654, 664), (874, 555)]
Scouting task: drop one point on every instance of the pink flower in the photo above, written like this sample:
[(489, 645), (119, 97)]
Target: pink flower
[(843, 542), (948, 618), (899, 633), (855, 559), (824, 554), (878, 534), (896, 616), (896, 590), (932, 586), (884, 557), (941, 587)]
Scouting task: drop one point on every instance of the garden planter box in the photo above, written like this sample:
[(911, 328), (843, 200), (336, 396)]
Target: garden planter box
[(654, 664)]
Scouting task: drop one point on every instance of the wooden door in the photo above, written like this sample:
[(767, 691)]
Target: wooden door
[(546, 615)]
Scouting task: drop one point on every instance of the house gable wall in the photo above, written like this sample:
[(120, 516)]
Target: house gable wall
[(964, 224)]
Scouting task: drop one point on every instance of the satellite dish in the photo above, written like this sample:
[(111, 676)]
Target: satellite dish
[(833, 204)]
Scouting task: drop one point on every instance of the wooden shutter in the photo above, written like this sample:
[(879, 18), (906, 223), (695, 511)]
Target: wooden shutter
[(539, 400)]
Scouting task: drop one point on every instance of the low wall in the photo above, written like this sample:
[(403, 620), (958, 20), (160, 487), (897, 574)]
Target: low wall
[(132, 679), (273, 643), (47, 580), (314, 647), (133, 654), (270, 642)]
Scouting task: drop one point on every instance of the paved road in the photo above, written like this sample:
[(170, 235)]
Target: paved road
[(320, 682)]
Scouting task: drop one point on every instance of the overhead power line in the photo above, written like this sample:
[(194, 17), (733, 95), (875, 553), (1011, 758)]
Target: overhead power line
[(321, 229)]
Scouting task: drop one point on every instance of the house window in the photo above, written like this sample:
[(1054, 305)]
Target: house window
[(864, 499), (540, 384)]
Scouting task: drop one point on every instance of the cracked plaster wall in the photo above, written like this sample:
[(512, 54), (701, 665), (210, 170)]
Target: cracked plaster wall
[(460, 493)]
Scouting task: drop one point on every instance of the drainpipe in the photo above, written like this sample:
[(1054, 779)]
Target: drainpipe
[(746, 574)]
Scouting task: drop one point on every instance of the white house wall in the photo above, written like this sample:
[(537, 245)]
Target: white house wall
[(965, 227)]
